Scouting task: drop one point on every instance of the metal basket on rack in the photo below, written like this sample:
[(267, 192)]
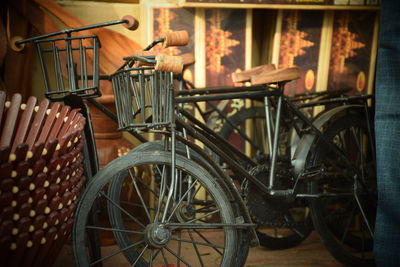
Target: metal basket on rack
[(70, 65), (143, 98)]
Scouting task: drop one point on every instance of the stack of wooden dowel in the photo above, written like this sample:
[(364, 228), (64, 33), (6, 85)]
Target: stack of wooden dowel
[(41, 175)]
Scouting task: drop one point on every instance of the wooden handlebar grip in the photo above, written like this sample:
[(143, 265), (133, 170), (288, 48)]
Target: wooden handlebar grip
[(169, 63), (14, 46), (178, 38), (188, 59), (131, 23), (141, 53)]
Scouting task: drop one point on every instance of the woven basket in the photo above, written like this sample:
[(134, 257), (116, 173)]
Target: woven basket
[(41, 175)]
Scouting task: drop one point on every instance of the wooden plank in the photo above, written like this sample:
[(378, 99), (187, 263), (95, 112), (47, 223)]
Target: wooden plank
[(5, 200), (21, 169), (35, 153), (46, 246), (5, 243), (37, 122), (6, 228), (20, 153), (59, 122), (32, 251), (2, 103), (22, 197), (10, 122), (67, 123), (63, 234), (25, 122), (6, 184), (18, 254), (51, 147), (45, 131), (4, 154)]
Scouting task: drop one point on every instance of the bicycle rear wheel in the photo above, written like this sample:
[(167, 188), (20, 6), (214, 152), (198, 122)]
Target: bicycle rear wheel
[(189, 230), (292, 223), (345, 219)]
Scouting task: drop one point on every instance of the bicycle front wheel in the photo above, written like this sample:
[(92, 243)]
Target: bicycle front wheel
[(183, 219)]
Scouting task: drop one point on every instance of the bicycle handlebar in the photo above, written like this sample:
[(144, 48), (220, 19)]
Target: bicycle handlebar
[(177, 38), (131, 23), (127, 21), (161, 62)]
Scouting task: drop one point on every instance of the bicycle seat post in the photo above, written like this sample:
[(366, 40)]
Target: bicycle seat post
[(274, 148)]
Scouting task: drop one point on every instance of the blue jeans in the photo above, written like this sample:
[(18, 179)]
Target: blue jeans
[(387, 129)]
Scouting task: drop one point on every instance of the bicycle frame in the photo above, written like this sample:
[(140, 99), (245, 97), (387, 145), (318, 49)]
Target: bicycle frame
[(223, 148)]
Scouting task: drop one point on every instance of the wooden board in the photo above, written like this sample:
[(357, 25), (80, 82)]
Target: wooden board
[(283, 4)]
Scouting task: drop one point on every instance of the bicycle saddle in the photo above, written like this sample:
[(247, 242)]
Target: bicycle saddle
[(245, 75), (276, 76)]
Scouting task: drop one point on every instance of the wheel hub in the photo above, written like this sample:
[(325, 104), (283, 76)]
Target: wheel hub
[(156, 235), (185, 212)]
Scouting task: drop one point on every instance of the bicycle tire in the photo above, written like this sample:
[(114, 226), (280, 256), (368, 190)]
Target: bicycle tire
[(346, 237), (278, 238), (118, 167)]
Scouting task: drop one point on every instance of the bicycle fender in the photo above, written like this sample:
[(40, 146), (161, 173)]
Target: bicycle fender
[(304, 146)]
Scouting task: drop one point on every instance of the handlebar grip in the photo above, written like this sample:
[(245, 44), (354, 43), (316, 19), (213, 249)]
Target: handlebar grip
[(178, 38), (130, 22), (14, 46), (169, 63), (141, 53), (188, 59)]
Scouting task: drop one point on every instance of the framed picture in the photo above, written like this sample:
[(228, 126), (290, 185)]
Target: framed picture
[(353, 51), (298, 43)]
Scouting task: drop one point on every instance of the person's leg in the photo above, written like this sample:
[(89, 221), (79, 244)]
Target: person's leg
[(387, 129)]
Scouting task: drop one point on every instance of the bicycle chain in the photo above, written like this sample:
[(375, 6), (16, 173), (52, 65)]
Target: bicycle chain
[(267, 210)]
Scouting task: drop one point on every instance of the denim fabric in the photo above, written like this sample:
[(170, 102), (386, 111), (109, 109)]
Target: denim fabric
[(387, 129)]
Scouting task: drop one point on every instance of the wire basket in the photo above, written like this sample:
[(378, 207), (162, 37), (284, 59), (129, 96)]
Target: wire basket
[(143, 98), (70, 65)]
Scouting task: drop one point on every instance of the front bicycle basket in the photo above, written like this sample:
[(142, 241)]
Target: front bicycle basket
[(143, 98), (70, 65)]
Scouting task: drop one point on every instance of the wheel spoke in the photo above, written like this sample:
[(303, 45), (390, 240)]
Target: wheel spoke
[(178, 261), (128, 203), (147, 187), (203, 209), (180, 201), (195, 193), (203, 216), (117, 252), (122, 209), (134, 178), (208, 242), (164, 257), (173, 253), (140, 255), (348, 224), (114, 230), (195, 248)]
